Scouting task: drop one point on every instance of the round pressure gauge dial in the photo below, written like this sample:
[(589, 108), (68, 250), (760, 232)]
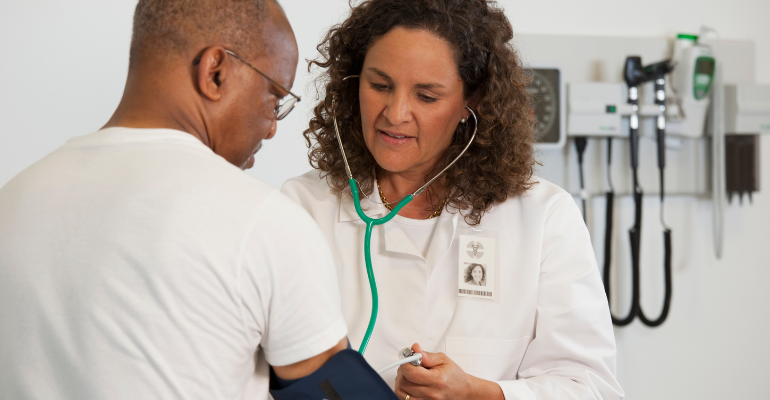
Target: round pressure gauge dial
[(544, 91)]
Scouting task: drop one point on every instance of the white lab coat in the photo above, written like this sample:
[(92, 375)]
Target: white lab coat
[(546, 335)]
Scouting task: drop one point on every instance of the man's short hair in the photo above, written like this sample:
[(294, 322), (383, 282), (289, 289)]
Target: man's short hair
[(169, 28)]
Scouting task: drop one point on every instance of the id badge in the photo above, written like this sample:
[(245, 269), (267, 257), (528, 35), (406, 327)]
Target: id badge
[(477, 264)]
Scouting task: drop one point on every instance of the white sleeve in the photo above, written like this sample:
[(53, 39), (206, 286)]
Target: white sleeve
[(289, 285), (573, 353)]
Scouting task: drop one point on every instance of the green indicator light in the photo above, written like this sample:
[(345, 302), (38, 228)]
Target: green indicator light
[(611, 109), (686, 36)]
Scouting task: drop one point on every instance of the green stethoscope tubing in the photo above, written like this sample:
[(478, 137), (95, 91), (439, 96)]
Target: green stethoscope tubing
[(371, 222)]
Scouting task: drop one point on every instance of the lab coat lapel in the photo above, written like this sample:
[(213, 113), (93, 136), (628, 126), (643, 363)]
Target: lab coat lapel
[(442, 239)]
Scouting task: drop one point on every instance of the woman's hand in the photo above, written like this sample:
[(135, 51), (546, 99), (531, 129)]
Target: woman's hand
[(441, 378)]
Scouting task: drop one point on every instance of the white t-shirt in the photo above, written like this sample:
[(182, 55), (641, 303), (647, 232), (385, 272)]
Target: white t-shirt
[(138, 264), (419, 231)]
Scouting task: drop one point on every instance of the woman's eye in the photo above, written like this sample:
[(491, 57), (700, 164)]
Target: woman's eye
[(379, 87), (426, 98)]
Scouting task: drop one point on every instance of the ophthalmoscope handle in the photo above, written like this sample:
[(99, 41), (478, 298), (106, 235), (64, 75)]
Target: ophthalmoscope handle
[(634, 75), (660, 134)]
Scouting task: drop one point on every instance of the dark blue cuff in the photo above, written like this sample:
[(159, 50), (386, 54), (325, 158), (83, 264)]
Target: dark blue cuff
[(345, 376)]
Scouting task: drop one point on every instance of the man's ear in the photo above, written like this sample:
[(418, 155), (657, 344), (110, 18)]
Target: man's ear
[(212, 71)]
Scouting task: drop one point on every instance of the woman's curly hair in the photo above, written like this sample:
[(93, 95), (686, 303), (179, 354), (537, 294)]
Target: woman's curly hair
[(500, 161)]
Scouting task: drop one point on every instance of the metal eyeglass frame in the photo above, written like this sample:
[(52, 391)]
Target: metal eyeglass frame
[(283, 108)]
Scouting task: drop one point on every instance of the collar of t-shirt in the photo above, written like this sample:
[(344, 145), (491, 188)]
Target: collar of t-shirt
[(122, 135), (419, 231)]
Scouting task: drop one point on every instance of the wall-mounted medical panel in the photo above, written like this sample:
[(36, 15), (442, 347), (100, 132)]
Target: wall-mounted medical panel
[(594, 60), (598, 109), (594, 109), (747, 109)]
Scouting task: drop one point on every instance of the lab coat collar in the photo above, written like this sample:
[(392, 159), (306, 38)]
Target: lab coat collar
[(395, 238)]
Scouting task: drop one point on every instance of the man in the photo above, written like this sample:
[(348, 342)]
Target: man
[(139, 261)]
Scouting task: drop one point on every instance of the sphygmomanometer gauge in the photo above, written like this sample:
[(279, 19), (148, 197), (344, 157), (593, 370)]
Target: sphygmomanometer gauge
[(545, 91)]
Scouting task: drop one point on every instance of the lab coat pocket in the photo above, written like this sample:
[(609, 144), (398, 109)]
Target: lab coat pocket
[(490, 359)]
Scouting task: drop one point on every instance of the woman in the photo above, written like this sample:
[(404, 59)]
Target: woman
[(401, 77), (475, 275)]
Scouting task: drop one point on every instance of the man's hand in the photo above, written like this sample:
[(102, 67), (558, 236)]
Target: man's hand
[(440, 378), (306, 367)]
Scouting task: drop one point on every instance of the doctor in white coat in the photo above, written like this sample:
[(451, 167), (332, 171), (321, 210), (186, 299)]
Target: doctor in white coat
[(539, 326)]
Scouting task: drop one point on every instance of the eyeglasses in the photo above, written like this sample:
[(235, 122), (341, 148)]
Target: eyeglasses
[(285, 106)]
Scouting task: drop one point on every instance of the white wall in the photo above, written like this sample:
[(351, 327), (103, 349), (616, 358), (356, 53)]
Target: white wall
[(63, 68), (712, 346)]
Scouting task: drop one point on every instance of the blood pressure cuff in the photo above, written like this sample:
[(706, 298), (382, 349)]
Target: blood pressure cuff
[(345, 376)]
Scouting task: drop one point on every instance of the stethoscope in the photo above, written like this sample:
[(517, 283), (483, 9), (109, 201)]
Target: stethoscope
[(371, 222)]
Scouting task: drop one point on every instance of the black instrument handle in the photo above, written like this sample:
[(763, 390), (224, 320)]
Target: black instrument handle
[(580, 146), (608, 242), (660, 136), (634, 143)]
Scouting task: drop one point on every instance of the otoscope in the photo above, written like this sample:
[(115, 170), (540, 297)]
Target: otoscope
[(657, 73)]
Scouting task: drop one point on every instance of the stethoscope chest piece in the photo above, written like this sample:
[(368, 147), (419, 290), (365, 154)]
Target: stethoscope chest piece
[(408, 352)]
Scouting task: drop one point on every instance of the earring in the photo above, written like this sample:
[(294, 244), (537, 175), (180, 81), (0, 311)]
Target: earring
[(463, 120)]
